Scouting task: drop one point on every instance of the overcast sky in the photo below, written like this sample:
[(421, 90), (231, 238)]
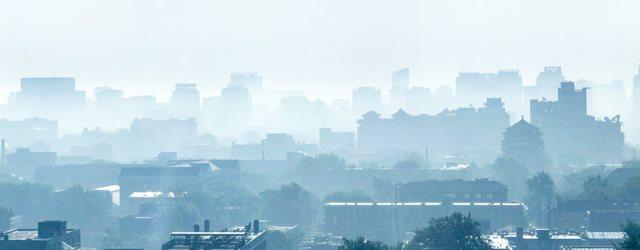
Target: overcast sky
[(146, 46)]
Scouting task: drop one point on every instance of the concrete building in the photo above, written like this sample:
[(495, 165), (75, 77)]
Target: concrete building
[(251, 81), (329, 140), (174, 179), (275, 147), (185, 101), (91, 175), (574, 214), (27, 131), (548, 81), (49, 97), (249, 237), (365, 99), (465, 131), (24, 162), (479, 190), (570, 134), (390, 221), (50, 235), (474, 87)]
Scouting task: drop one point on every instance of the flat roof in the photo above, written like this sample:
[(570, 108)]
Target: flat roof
[(422, 204)]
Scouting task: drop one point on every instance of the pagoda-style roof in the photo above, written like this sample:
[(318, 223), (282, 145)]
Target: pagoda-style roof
[(522, 125), (371, 115), (400, 114)]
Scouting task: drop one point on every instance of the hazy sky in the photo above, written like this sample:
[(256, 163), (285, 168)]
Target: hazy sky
[(146, 46)]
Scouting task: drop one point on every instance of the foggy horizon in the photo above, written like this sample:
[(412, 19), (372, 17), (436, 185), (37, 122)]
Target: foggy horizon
[(302, 46)]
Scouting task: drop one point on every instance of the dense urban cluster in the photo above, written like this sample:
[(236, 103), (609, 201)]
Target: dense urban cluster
[(494, 164)]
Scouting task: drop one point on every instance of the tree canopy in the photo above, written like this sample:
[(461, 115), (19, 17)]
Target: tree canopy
[(290, 205), (360, 243), (453, 232)]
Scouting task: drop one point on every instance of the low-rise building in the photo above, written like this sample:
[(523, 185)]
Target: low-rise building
[(249, 237), (50, 235), (479, 190)]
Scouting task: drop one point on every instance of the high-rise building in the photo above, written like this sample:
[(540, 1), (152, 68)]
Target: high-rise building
[(473, 88), (49, 97), (548, 81), (400, 79), (570, 134), (366, 99), (185, 100), (251, 81), (399, 84)]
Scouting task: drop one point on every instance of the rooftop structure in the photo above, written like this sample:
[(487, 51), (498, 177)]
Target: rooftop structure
[(50, 235), (479, 190), (249, 237)]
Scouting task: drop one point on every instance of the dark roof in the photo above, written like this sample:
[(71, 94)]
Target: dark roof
[(522, 125), (594, 205), (620, 176), (400, 114), (160, 172), (371, 115), (437, 186)]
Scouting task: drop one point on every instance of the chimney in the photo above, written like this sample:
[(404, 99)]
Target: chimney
[(207, 225), (196, 228), (520, 238), (256, 226)]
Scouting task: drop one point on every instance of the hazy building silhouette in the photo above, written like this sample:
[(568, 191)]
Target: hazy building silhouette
[(50, 97), (24, 162), (185, 100), (251, 81), (106, 96), (473, 87), (570, 133), (27, 131), (235, 108), (548, 81), (480, 190), (329, 140), (523, 142), (399, 84), (366, 99), (463, 131), (166, 135), (50, 235), (418, 100), (276, 146)]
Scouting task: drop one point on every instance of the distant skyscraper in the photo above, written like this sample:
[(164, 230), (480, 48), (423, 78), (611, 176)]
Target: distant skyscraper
[(399, 84), (49, 97), (473, 88), (185, 100), (366, 99), (251, 81), (548, 81), (569, 133), (106, 96), (400, 79)]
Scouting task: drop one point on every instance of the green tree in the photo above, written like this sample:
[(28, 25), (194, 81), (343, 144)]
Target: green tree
[(540, 195), (629, 190), (571, 182), (407, 165), (361, 244), (453, 232), (112, 238), (511, 173), (320, 162), (596, 187), (353, 196), (631, 238), (290, 204), (5, 218)]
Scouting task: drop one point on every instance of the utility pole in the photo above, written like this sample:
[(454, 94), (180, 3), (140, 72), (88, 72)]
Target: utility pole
[(426, 157)]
